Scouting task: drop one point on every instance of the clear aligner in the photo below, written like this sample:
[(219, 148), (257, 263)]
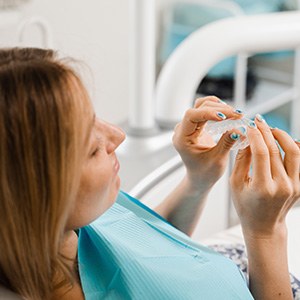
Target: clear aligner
[(217, 128)]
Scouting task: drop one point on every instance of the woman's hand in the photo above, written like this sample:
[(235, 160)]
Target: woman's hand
[(263, 199), (204, 160)]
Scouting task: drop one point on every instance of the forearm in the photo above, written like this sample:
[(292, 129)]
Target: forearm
[(268, 267), (184, 205), (204, 160)]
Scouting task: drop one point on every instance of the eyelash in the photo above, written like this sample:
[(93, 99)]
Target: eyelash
[(96, 151), (98, 148)]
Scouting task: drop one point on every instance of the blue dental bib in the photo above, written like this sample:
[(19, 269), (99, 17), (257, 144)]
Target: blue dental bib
[(130, 252)]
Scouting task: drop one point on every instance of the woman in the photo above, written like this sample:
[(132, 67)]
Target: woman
[(59, 173)]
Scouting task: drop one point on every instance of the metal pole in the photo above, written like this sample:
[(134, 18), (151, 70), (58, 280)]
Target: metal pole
[(142, 65)]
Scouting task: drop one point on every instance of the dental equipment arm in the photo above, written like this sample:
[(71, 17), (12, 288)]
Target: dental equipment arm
[(192, 59)]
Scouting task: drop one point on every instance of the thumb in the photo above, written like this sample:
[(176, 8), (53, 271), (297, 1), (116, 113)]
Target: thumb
[(226, 142), (240, 172)]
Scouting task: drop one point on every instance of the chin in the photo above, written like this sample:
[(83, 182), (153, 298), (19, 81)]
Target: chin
[(118, 179), (115, 188)]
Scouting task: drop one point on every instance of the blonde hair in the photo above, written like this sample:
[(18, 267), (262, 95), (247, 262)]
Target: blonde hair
[(45, 117)]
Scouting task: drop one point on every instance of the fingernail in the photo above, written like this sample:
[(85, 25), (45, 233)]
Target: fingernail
[(272, 128), (234, 136), (221, 115), (297, 140), (252, 124), (239, 111), (242, 130), (221, 101), (259, 118)]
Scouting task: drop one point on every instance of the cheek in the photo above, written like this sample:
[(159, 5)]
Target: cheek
[(94, 193), (97, 193), (100, 184)]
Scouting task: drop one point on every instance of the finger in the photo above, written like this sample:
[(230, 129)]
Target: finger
[(194, 119), (212, 101), (231, 113), (292, 153), (298, 144), (260, 154), (200, 101), (215, 103), (241, 168), (226, 142), (228, 111), (276, 163)]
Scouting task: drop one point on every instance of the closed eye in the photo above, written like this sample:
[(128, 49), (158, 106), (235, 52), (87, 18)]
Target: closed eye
[(98, 145), (96, 151)]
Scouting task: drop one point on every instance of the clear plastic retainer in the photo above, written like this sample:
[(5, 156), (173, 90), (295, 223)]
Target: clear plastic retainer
[(217, 128)]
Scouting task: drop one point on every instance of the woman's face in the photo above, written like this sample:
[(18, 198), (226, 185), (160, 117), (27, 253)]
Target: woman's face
[(100, 183)]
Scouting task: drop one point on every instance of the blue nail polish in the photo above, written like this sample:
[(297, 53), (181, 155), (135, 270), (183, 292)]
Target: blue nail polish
[(260, 118), (221, 115), (238, 111), (252, 124), (234, 136), (242, 130)]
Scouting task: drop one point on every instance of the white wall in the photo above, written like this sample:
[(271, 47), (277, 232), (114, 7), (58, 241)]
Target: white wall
[(95, 31)]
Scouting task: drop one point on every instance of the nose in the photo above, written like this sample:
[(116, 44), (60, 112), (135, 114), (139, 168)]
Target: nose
[(114, 135)]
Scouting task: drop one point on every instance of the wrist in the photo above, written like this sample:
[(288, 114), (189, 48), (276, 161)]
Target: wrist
[(277, 237), (196, 188), (268, 266)]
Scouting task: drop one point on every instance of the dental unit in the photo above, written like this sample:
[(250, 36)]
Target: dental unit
[(156, 106)]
